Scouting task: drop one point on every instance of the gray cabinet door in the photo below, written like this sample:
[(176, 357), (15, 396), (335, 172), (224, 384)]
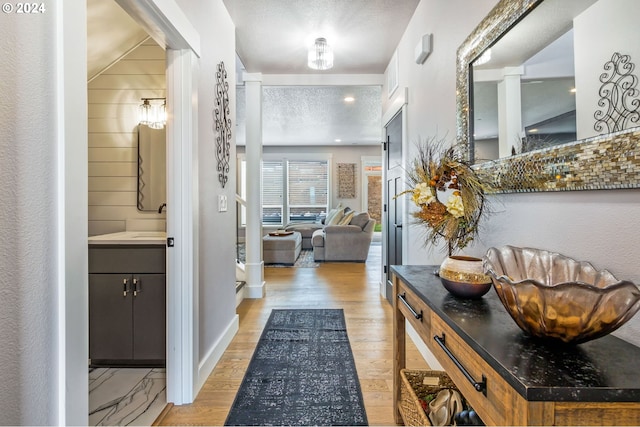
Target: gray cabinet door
[(110, 317), (149, 314)]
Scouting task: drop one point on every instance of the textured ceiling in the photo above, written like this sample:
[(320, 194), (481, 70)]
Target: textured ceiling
[(316, 115), (272, 36)]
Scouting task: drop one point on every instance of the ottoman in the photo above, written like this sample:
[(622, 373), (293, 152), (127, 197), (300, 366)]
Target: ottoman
[(306, 229), (283, 249)]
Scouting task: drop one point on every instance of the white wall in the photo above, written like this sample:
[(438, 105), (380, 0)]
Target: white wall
[(27, 215), (216, 303), (595, 226), (43, 220), (114, 97)]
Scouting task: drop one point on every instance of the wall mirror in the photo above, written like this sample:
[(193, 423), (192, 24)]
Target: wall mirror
[(152, 165), (528, 114)]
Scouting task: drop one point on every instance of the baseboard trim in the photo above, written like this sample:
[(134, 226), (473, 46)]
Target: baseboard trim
[(215, 353), (240, 295), (255, 292)]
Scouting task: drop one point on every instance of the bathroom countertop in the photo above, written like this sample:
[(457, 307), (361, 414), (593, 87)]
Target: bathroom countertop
[(130, 238)]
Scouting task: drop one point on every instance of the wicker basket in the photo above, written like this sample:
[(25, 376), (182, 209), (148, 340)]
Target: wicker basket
[(412, 385)]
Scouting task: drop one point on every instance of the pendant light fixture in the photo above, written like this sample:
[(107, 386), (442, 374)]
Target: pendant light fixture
[(320, 55)]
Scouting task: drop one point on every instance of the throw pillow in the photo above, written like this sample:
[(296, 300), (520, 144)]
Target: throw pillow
[(346, 219), (332, 212), (336, 218), (360, 220)]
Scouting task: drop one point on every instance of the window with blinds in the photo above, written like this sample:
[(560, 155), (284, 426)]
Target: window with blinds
[(296, 190), (272, 191), (308, 185)]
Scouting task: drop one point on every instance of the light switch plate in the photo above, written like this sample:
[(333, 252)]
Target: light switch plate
[(222, 203)]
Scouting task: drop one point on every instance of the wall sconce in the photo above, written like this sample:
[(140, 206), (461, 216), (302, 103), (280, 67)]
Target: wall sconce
[(320, 55), (153, 112)]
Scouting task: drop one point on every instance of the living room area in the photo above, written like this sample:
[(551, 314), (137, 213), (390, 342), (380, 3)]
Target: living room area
[(308, 189)]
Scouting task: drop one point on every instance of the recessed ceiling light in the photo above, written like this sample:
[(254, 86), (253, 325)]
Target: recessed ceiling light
[(572, 90), (337, 140), (349, 99)]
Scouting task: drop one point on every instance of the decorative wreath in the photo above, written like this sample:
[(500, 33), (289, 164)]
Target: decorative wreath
[(448, 192)]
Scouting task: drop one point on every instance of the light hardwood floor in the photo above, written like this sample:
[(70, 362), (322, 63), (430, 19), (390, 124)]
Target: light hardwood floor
[(350, 286)]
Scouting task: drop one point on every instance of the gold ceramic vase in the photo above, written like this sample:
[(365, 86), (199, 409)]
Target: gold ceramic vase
[(464, 277)]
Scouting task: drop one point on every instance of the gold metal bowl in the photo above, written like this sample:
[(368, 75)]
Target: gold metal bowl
[(552, 296)]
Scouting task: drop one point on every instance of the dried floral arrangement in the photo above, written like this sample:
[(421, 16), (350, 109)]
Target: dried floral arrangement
[(448, 192)]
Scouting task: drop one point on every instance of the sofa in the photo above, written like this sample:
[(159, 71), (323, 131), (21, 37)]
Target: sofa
[(345, 240)]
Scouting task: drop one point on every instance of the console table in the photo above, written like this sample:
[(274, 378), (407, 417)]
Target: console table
[(508, 377)]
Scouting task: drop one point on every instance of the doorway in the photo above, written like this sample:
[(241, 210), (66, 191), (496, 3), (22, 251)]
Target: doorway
[(394, 208), (182, 50)]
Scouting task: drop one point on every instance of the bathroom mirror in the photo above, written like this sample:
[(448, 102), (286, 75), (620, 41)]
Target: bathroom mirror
[(561, 148), (152, 165)]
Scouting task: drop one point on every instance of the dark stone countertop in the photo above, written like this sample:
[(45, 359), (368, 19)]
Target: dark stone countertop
[(606, 369)]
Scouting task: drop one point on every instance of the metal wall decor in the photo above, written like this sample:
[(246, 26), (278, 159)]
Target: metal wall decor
[(223, 124), (618, 96)]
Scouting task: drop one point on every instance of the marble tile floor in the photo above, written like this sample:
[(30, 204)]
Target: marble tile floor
[(126, 396)]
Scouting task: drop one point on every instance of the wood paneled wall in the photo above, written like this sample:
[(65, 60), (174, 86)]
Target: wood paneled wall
[(114, 97)]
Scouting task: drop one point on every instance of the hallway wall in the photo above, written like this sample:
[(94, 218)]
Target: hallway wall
[(43, 216), (217, 320)]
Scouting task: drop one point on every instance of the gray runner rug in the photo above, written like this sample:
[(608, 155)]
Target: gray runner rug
[(302, 373)]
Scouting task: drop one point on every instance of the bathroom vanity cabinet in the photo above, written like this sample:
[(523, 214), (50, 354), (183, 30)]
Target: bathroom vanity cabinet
[(127, 305)]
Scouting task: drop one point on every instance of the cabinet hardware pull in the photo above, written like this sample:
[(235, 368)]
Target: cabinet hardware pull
[(403, 298), (136, 289), (479, 386), (124, 287)]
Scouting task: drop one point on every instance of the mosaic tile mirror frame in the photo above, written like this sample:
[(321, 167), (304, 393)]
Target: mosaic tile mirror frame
[(610, 160)]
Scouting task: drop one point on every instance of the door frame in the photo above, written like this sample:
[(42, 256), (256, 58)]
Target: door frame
[(398, 104), (165, 22)]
